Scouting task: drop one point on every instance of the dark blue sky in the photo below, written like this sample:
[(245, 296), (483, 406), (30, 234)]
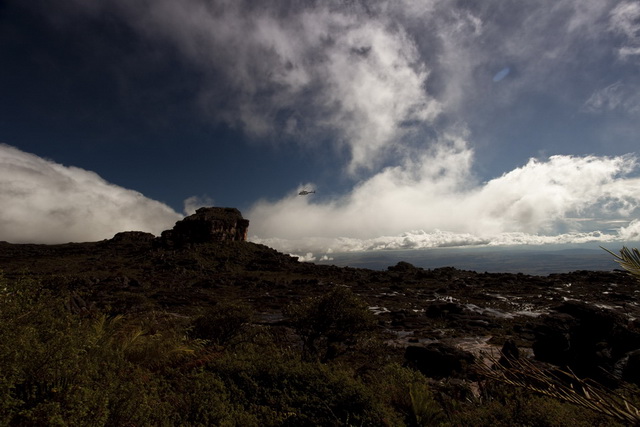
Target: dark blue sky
[(91, 94), (402, 115)]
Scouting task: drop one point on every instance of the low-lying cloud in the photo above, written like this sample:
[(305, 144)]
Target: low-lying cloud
[(424, 203), (433, 202), (45, 202)]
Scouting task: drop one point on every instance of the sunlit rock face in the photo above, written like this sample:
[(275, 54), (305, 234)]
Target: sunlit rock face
[(208, 225)]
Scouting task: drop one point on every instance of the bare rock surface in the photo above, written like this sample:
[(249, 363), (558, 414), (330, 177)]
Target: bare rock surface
[(208, 225)]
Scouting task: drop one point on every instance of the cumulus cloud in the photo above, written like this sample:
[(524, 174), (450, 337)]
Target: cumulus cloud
[(535, 197), (414, 187), (631, 232), (430, 203), (372, 77), (45, 202), (297, 70), (308, 257)]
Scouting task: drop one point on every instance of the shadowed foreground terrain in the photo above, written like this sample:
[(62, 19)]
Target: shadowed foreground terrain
[(139, 330)]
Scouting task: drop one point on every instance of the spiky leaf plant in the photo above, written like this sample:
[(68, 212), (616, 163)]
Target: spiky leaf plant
[(562, 385), (629, 259)]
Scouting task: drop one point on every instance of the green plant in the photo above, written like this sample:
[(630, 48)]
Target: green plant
[(409, 393), (629, 259), (279, 388), (424, 408), (331, 322), (222, 324), (60, 368), (562, 385)]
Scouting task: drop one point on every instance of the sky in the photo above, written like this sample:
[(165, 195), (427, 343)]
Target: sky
[(418, 123)]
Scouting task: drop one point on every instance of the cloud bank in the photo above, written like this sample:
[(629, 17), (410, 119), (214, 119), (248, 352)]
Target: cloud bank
[(45, 202), (430, 202), (423, 203)]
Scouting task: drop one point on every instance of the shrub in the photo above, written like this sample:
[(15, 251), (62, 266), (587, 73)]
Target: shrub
[(563, 386), (63, 369), (330, 323), (278, 388), (409, 393), (222, 323)]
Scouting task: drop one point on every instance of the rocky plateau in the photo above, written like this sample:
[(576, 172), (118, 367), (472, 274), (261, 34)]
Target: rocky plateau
[(441, 319)]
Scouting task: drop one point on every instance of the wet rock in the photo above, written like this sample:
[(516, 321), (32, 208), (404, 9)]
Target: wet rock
[(441, 309), (585, 338), (478, 323), (552, 339), (438, 360)]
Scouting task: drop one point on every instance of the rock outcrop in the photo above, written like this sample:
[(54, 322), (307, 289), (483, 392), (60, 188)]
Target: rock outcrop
[(133, 237), (438, 360), (594, 342), (208, 225)]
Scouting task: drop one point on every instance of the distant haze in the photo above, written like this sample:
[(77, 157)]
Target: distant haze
[(526, 260)]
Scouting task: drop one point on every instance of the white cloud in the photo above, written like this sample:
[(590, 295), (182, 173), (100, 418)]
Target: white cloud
[(374, 74), (540, 195), (631, 232), (430, 202), (191, 204), (45, 202), (375, 83), (625, 21), (548, 45), (302, 70), (308, 257), (376, 78), (434, 178), (420, 239), (615, 97)]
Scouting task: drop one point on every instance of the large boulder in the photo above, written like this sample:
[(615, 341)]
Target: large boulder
[(630, 366), (591, 341), (439, 360), (133, 237), (208, 225)]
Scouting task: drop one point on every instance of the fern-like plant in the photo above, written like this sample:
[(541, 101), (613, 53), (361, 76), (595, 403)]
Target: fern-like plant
[(424, 408)]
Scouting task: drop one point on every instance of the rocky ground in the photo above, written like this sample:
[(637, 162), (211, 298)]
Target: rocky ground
[(441, 319), (584, 320)]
